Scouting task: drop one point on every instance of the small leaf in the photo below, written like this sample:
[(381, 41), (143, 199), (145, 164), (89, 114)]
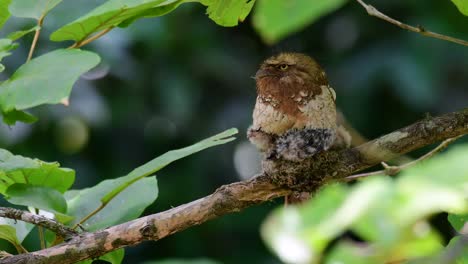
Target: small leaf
[(162, 161), (228, 13), (462, 6), (114, 257), (40, 197), (182, 261), (10, 118), (32, 8), (19, 34), (18, 169), (126, 206), (6, 45), (275, 19), (4, 13), (458, 221), (46, 79), (110, 14)]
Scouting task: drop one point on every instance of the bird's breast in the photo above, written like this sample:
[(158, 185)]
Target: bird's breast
[(276, 115)]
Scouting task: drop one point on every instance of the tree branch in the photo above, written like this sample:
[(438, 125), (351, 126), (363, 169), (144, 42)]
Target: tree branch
[(372, 11), (38, 220), (278, 179)]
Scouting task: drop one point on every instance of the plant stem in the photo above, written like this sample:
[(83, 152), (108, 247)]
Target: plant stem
[(372, 11), (90, 39), (40, 21), (84, 219), (392, 170)]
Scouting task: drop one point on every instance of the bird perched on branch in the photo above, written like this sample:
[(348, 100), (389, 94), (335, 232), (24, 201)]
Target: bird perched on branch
[(295, 113)]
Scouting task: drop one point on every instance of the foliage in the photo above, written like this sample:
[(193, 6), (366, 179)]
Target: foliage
[(462, 6), (390, 215), (385, 213)]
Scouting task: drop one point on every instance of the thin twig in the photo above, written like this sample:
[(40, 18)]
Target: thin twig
[(372, 11), (40, 21), (38, 220), (392, 170), (90, 39), (84, 219)]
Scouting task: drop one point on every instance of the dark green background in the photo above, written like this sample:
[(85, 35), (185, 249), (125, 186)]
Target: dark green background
[(168, 82)]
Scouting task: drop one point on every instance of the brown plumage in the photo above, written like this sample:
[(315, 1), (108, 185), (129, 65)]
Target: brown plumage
[(295, 113)]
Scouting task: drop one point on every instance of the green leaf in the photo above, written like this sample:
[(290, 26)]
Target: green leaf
[(114, 257), (18, 169), (4, 13), (19, 34), (462, 252), (162, 161), (183, 261), (6, 45), (275, 19), (47, 79), (10, 118), (288, 231), (350, 253), (462, 6), (40, 197), (153, 12), (32, 8), (22, 228), (9, 234), (457, 221), (126, 206), (112, 13), (228, 13)]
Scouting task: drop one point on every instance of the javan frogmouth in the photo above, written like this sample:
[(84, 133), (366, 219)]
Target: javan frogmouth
[(295, 112)]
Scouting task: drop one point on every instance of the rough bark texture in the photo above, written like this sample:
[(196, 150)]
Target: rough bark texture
[(38, 220), (278, 179)]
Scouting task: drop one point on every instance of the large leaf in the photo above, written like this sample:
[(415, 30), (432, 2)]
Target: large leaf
[(275, 19), (389, 215), (47, 79), (9, 234), (162, 161), (4, 13), (462, 5), (19, 169), (40, 197), (22, 228), (112, 13), (228, 13), (126, 206), (32, 8)]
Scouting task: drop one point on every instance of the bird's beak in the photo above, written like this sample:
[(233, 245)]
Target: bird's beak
[(262, 73)]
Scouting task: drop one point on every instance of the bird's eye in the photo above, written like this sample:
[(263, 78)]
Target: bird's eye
[(283, 67)]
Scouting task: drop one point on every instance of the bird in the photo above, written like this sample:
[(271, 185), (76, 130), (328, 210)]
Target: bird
[(295, 114)]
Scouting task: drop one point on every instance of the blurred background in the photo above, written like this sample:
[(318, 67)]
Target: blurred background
[(168, 82)]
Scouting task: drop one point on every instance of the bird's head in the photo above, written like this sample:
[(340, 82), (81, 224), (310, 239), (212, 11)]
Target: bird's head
[(289, 71)]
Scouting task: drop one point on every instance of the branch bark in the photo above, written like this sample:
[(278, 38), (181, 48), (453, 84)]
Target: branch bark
[(279, 178), (38, 220)]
